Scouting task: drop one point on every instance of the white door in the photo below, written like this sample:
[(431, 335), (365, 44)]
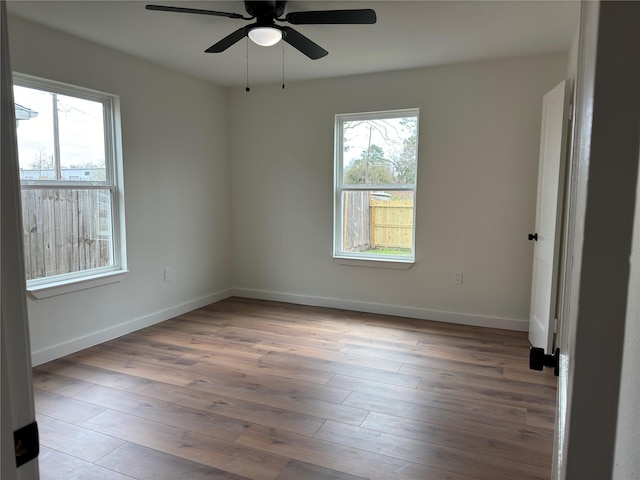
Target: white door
[(555, 119), (17, 460)]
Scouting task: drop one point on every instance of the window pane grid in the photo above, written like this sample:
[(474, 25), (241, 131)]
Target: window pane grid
[(71, 197), (375, 178)]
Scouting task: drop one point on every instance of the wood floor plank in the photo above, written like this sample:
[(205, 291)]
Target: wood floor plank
[(243, 461), (180, 416), (254, 335), (517, 430), (67, 368), (251, 389), (64, 408), (453, 460), (147, 464), (340, 357), (54, 383), (538, 455), (499, 390), (543, 378), (74, 440), (255, 383), (435, 399), (54, 465), (185, 345), (308, 405), (300, 470), (100, 356), (238, 409), (415, 357), (252, 377), (331, 367), (351, 460), (264, 366), (430, 363)]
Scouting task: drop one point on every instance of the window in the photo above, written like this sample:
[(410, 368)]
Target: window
[(71, 182), (376, 162)]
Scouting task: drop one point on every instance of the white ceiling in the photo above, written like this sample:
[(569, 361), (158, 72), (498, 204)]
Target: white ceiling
[(408, 34)]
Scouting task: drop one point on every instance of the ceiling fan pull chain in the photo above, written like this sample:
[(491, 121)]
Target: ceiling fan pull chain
[(283, 65), (247, 89)]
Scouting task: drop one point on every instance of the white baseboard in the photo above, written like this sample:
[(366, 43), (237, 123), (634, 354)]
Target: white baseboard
[(77, 344), (385, 309)]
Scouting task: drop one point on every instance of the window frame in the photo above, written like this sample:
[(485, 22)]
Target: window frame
[(359, 258), (114, 183)]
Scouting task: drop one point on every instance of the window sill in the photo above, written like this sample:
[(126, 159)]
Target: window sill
[(53, 289), (374, 263)]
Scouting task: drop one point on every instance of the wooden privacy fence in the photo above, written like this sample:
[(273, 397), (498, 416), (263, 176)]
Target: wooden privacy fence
[(65, 230), (371, 223), (356, 231), (391, 223)]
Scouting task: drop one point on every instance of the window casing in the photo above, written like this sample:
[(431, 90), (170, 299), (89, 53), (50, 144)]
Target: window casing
[(69, 153), (376, 159)]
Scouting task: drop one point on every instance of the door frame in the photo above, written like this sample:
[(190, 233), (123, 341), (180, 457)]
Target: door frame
[(16, 396), (600, 236)]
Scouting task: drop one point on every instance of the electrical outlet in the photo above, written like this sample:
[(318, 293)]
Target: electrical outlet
[(168, 274), (457, 277)]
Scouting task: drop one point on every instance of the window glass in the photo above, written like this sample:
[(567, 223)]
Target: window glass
[(66, 230), (71, 196), (380, 151), (62, 137), (376, 166)]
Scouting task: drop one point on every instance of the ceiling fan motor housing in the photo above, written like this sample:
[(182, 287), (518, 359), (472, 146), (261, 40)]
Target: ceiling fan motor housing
[(265, 10)]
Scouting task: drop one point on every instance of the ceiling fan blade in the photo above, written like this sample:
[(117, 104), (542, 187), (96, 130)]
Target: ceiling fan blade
[(229, 40), (327, 17), (163, 8), (302, 43)]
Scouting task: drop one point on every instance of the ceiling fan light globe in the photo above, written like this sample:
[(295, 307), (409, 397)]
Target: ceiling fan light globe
[(265, 36)]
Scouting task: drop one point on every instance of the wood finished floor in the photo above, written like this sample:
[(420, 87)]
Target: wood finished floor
[(247, 389)]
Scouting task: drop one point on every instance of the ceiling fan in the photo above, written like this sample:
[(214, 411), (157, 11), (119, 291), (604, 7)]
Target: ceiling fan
[(264, 31)]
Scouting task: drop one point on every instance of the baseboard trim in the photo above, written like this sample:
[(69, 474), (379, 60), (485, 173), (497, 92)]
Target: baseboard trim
[(387, 309), (77, 344)]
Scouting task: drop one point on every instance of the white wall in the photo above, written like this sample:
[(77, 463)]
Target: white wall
[(477, 173), (176, 191)]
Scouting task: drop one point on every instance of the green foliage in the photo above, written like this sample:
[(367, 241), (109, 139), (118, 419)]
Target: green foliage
[(391, 251), (375, 167), (404, 164), (371, 168)]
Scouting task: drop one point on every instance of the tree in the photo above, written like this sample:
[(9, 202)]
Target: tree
[(371, 168), (404, 162), (42, 161)]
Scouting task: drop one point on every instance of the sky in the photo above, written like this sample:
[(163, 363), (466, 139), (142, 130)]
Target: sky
[(80, 126), (386, 133)]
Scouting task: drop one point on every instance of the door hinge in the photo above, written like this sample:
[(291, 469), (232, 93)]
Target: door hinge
[(27, 443), (571, 111), (555, 326)]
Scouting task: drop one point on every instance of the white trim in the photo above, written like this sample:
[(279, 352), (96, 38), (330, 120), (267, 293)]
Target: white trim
[(374, 263), (521, 325), (339, 188), (80, 343), (114, 183), (52, 289)]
